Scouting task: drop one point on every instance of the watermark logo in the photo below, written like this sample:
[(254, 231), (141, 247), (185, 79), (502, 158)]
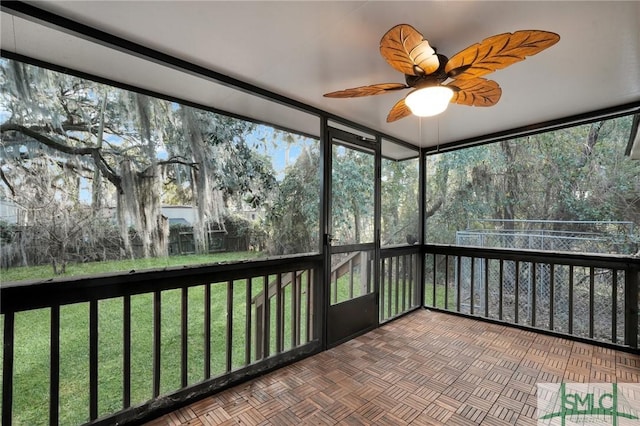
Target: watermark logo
[(572, 404)]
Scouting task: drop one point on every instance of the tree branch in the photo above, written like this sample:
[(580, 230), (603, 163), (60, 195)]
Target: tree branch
[(99, 161), (431, 211), (6, 181), (46, 140), (178, 160)]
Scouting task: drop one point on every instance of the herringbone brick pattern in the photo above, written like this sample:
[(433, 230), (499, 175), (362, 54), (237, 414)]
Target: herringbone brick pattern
[(426, 368)]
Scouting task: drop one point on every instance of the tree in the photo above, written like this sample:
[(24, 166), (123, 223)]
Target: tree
[(227, 168), (293, 219), (352, 198), (127, 149), (105, 130), (57, 227), (400, 201), (573, 174)]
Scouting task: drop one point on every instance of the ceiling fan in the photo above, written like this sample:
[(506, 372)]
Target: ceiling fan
[(438, 80)]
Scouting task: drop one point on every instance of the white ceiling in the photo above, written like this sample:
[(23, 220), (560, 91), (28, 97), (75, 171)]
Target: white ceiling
[(304, 49)]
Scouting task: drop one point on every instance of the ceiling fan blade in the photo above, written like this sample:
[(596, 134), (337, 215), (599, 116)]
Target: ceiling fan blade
[(498, 52), (406, 50), (475, 92), (374, 89), (399, 110)]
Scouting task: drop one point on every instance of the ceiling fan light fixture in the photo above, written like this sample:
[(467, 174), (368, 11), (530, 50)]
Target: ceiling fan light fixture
[(424, 70), (429, 101)]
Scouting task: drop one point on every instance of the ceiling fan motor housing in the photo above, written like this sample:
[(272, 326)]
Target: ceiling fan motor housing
[(436, 78)]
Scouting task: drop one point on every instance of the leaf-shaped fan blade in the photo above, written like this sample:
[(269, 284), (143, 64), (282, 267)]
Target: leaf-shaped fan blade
[(374, 89), (407, 51), (399, 110), (475, 92), (498, 52)]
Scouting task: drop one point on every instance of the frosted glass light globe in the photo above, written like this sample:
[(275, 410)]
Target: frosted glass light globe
[(429, 101)]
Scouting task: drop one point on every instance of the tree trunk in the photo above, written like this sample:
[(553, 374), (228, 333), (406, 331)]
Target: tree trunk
[(140, 203), (200, 222), (590, 142), (123, 226), (356, 221), (96, 187), (510, 185), (206, 199), (96, 191)]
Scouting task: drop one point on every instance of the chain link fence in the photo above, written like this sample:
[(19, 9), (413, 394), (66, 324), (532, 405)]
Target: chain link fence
[(612, 237), (555, 297)]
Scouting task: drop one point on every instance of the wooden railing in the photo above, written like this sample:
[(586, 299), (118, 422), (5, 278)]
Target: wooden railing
[(183, 332), (583, 296), (299, 286), (399, 283), (356, 267), (195, 330)]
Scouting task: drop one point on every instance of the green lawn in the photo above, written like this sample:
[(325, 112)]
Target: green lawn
[(440, 296), (91, 268), (31, 365), (32, 337)]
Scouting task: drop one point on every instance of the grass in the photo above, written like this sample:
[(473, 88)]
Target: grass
[(32, 341), (32, 345), (440, 296), (92, 268), (31, 361)]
